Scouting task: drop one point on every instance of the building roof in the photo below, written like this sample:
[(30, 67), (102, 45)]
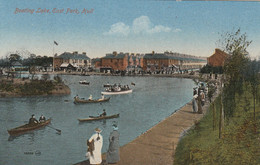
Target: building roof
[(76, 56), (96, 59), (219, 52), (113, 56), (155, 56), (170, 56)]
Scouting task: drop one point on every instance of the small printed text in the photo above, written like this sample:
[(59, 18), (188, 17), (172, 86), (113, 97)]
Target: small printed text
[(84, 11)]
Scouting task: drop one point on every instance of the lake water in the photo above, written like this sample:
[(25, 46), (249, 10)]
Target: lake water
[(153, 99)]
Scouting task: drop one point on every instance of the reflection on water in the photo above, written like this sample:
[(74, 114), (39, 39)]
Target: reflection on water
[(152, 100)]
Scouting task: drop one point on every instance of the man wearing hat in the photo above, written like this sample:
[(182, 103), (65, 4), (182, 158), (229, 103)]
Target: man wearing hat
[(104, 113), (95, 155), (113, 150), (32, 120)]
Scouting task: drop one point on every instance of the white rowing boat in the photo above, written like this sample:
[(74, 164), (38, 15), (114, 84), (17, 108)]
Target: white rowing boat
[(117, 92)]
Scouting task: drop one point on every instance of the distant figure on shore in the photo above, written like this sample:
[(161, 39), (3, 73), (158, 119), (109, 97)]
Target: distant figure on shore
[(95, 156), (202, 96), (194, 91), (113, 149), (104, 113), (194, 104), (33, 121), (42, 119), (199, 105), (90, 97)]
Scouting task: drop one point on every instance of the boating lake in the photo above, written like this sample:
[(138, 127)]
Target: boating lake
[(153, 99)]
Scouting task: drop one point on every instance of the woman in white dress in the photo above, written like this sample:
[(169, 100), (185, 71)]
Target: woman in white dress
[(95, 156)]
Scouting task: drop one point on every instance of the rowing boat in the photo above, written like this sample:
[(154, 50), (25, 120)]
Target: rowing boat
[(25, 128), (107, 85), (92, 118), (79, 100), (84, 82), (117, 92)]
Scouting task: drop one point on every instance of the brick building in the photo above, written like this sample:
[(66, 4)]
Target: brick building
[(217, 59), (117, 62), (158, 61), (96, 63), (169, 61)]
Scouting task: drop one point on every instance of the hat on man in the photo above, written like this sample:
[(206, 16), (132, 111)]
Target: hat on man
[(98, 130)]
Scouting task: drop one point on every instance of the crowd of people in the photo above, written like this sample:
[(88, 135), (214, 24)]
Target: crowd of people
[(199, 97), (95, 144), (117, 88)]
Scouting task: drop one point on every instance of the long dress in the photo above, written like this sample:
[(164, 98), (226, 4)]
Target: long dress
[(113, 150), (199, 105), (194, 105), (96, 157)]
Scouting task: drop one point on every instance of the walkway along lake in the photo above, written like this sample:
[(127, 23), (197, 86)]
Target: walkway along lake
[(153, 99)]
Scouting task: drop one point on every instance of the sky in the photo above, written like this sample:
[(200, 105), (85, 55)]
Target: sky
[(98, 27)]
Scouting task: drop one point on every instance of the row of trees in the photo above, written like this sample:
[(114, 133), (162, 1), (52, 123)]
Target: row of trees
[(239, 71), (26, 59)]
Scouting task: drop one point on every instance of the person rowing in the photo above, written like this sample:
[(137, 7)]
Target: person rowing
[(76, 97), (103, 114), (32, 120), (90, 97), (42, 119)]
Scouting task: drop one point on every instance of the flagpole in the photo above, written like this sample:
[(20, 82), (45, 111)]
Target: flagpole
[(53, 58)]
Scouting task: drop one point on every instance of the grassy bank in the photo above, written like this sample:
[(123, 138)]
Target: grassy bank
[(240, 142)]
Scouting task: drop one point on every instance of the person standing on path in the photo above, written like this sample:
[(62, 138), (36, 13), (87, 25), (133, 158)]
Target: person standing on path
[(202, 96), (95, 156), (113, 150), (199, 105), (194, 104)]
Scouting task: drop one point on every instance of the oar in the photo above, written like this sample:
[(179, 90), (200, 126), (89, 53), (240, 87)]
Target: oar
[(54, 128)]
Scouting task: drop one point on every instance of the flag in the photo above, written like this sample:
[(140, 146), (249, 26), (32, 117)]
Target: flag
[(55, 43)]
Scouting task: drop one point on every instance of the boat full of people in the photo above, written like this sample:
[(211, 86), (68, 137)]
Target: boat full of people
[(117, 89), (90, 100)]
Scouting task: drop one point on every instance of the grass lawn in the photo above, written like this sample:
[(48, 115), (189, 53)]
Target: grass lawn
[(240, 142)]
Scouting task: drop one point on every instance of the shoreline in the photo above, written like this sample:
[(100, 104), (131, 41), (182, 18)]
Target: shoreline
[(177, 75), (157, 145)]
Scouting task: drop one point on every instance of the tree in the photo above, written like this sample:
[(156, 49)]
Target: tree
[(252, 76), (14, 57), (235, 44)]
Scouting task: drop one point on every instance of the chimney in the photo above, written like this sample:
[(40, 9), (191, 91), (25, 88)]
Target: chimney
[(114, 53), (76, 52), (153, 52), (84, 53)]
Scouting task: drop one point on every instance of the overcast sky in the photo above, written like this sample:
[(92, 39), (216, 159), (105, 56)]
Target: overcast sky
[(190, 27)]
